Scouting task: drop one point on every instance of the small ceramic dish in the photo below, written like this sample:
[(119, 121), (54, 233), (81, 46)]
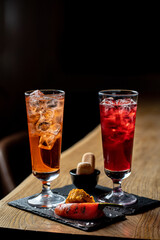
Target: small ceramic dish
[(86, 182)]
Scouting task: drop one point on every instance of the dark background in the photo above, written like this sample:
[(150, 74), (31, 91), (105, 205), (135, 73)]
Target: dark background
[(77, 46)]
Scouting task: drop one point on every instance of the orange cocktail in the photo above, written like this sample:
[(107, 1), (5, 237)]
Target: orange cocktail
[(45, 120)]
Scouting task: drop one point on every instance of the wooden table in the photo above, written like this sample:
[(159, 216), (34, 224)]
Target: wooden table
[(144, 181)]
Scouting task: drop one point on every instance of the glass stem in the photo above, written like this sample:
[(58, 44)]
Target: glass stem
[(117, 187), (46, 189)]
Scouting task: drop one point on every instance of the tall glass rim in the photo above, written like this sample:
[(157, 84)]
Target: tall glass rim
[(118, 93), (53, 92)]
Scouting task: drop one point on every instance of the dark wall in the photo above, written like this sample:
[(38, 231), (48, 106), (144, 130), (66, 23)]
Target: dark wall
[(80, 47)]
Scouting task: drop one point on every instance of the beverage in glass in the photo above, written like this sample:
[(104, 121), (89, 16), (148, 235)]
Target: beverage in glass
[(45, 121), (118, 114)]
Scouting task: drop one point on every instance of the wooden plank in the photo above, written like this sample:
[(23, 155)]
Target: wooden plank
[(144, 180)]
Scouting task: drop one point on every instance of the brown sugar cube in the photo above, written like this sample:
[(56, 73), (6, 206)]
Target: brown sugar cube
[(84, 168), (90, 158)]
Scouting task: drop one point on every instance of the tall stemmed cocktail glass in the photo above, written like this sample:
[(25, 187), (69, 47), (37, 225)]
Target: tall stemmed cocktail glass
[(118, 114), (45, 120)]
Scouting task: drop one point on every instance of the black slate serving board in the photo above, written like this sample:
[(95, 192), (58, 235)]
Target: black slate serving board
[(113, 214)]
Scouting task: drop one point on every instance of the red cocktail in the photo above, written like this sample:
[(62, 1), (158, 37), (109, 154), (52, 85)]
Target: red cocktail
[(117, 113)]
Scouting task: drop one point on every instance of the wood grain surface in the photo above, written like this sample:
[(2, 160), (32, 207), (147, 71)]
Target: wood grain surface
[(144, 181)]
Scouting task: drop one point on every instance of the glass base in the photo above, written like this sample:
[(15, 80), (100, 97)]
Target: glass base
[(120, 198), (46, 200)]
